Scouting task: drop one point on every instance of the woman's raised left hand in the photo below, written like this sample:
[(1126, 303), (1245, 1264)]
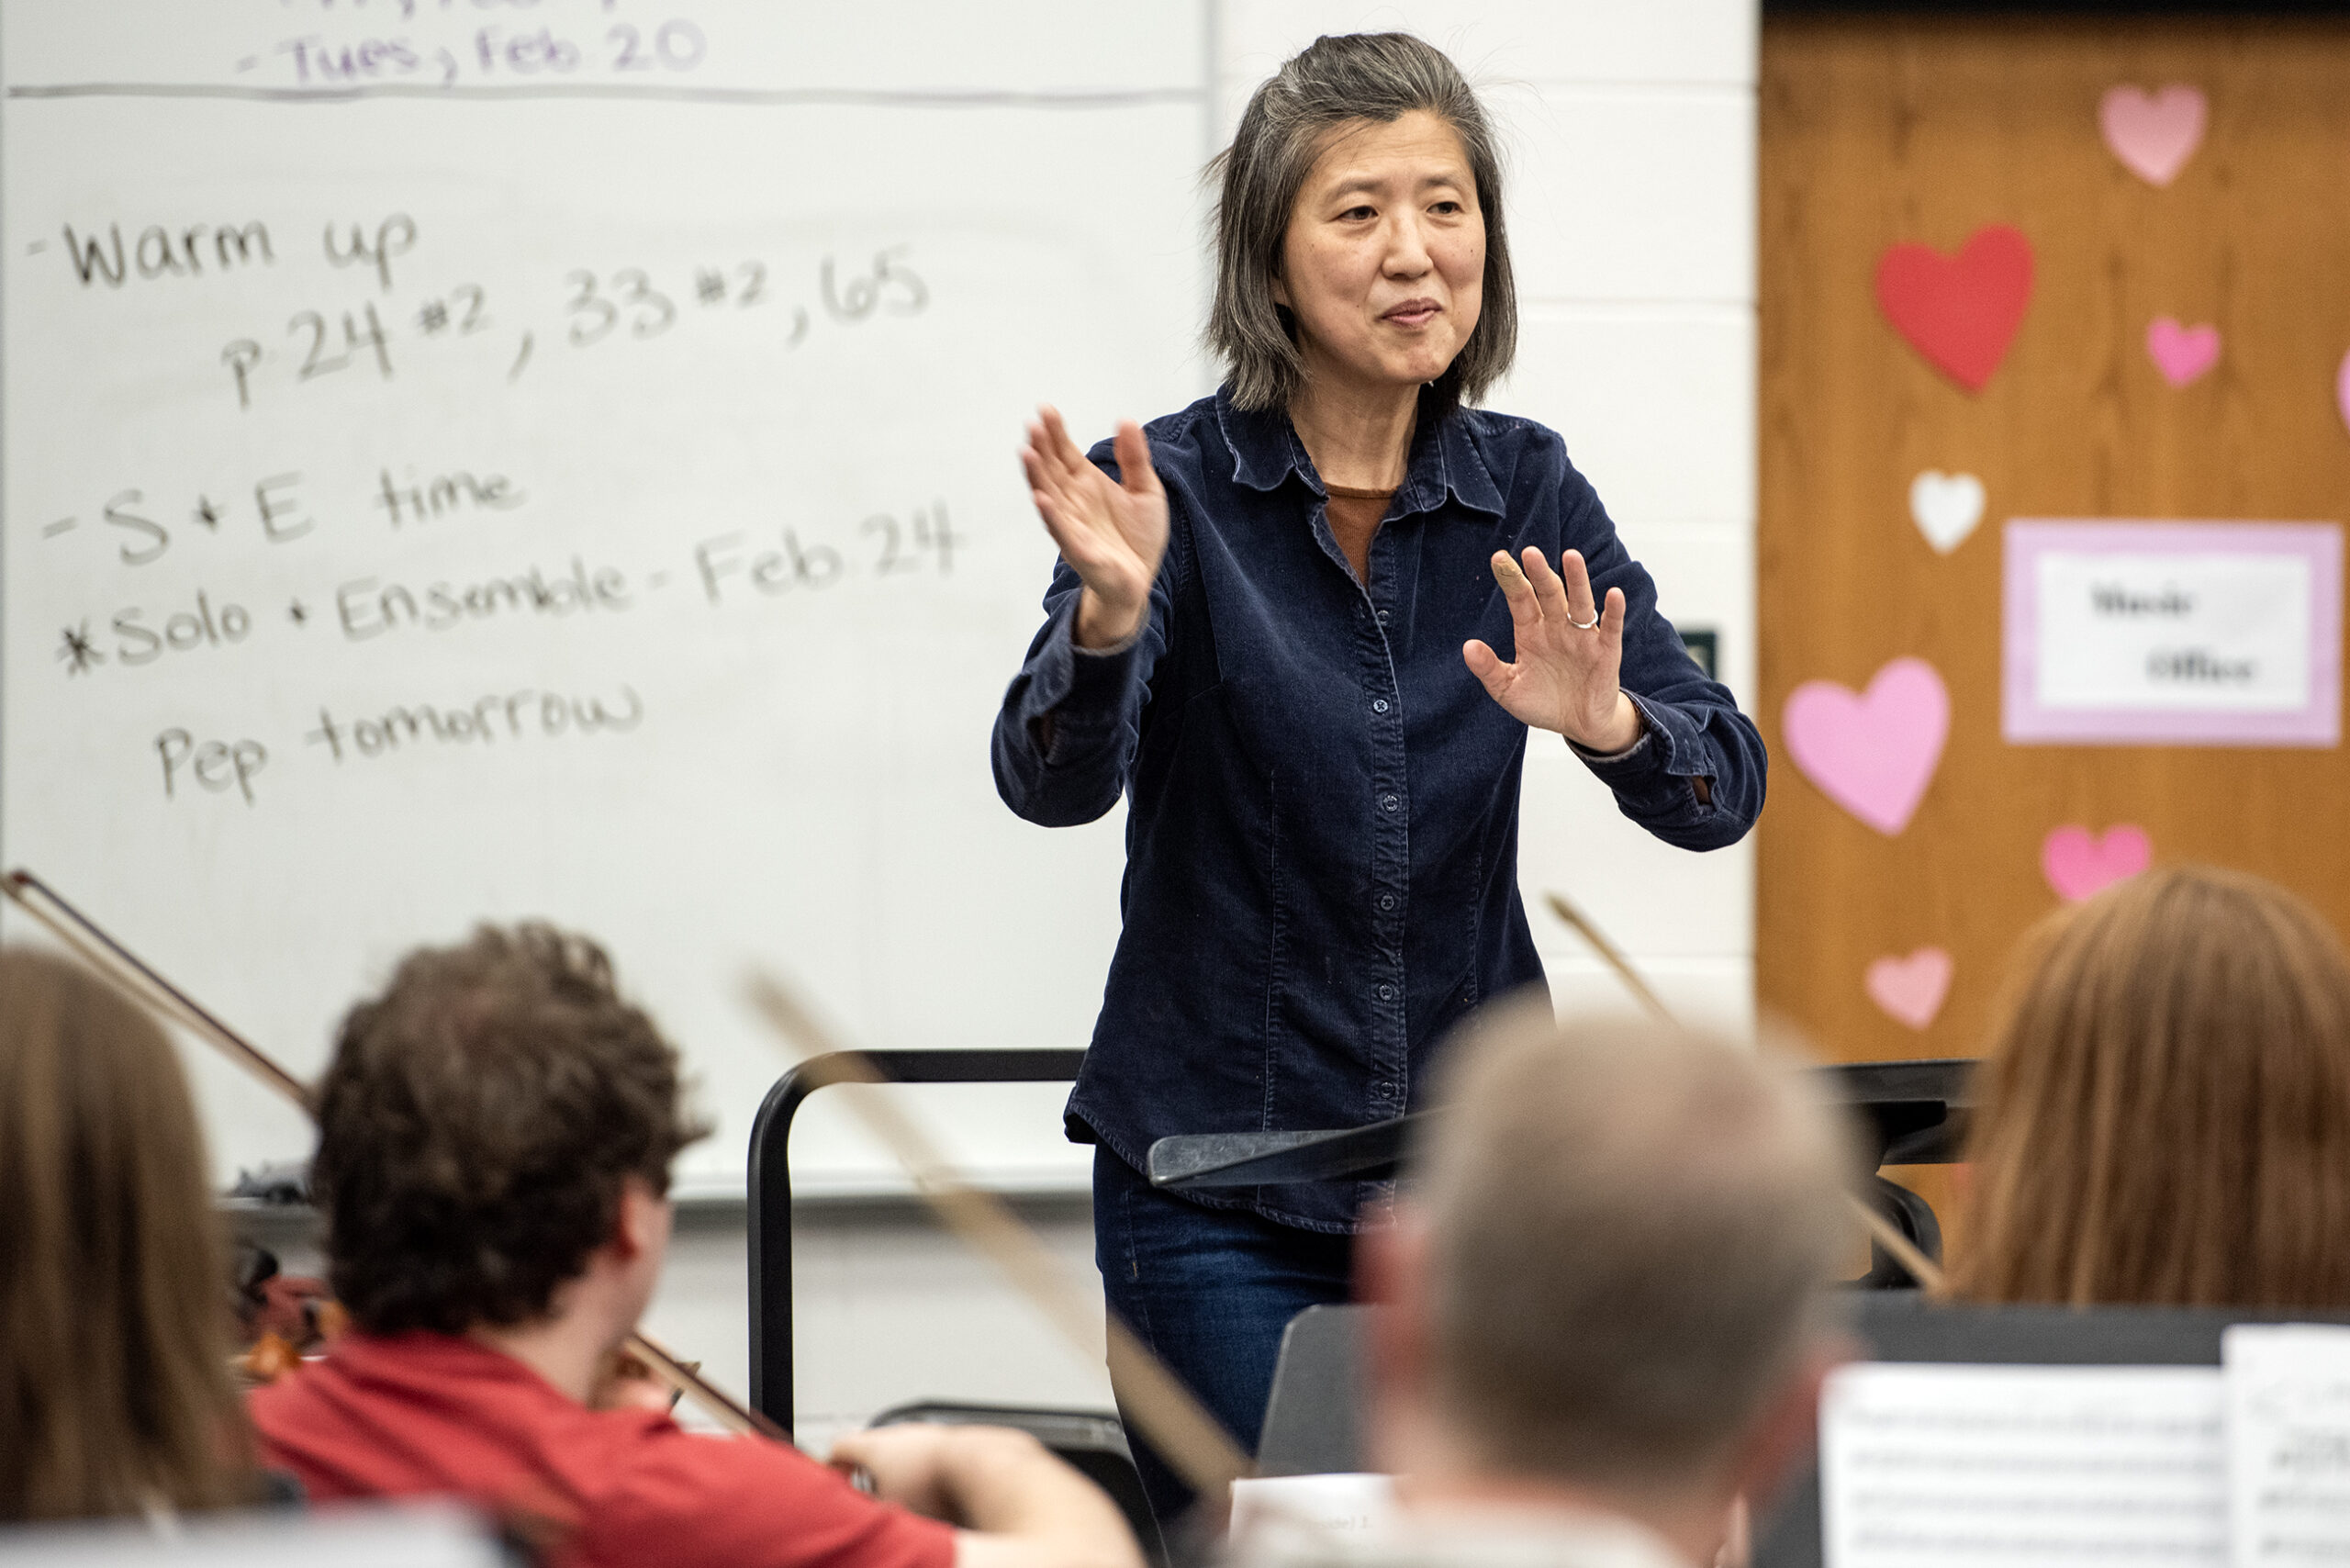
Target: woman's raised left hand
[(1565, 676)]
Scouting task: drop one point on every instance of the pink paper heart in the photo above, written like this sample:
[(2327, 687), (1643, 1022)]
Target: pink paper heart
[(1912, 990), (2153, 134), (2181, 353), (1873, 753), (2078, 864)]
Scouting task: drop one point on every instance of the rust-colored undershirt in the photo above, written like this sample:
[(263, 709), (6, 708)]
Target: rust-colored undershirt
[(1354, 517)]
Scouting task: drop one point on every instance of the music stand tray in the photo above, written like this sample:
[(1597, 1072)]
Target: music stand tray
[(1912, 1113)]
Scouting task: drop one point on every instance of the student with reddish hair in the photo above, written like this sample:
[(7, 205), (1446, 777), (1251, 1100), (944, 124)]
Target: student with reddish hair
[(2164, 1110)]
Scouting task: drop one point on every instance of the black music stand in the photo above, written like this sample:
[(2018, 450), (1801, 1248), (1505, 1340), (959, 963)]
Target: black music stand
[(1092, 1441), (768, 1222), (1910, 1113)]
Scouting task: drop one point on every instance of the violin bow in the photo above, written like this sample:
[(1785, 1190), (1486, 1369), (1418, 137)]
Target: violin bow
[(1153, 1399), (1904, 1251), (143, 984), (1612, 955)]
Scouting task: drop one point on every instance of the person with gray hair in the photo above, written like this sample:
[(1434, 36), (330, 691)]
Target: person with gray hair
[(1604, 1302), (1278, 623)]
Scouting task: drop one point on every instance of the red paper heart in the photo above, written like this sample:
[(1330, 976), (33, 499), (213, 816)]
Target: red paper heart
[(1960, 311)]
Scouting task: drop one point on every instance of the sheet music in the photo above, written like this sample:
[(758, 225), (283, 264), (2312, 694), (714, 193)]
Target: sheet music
[(1278, 1508), (1933, 1466), (406, 1534), (2288, 1444)]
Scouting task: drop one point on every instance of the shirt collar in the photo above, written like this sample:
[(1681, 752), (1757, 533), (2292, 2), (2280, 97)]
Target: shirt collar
[(1458, 1537), (418, 1360), (1444, 462)]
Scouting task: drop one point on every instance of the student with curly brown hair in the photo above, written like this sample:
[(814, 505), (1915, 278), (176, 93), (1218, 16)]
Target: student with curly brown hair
[(494, 1136), (115, 1329), (2165, 1116)]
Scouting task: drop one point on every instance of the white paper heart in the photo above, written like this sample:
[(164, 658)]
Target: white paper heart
[(2153, 134), (1946, 508)]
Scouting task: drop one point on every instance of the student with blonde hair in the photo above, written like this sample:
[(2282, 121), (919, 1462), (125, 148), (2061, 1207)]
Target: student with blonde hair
[(2164, 1110), (115, 1329), (1603, 1303)]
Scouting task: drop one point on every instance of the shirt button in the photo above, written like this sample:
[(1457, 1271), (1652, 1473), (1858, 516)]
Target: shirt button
[(1386, 993), (1388, 802), (1387, 900), (1378, 705), (1382, 618)]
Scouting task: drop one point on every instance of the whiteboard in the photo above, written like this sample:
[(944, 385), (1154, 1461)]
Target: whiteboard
[(556, 458)]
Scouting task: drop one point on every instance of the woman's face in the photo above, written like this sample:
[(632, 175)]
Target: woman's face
[(1383, 265)]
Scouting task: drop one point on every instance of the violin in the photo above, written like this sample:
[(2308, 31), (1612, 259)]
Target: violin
[(282, 1319), (299, 1315), (1154, 1400)]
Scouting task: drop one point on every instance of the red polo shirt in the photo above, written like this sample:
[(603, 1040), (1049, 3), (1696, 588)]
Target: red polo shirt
[(426, 1413)]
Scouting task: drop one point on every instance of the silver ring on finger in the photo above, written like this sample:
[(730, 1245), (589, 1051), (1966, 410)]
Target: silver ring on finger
[(1583, 625)]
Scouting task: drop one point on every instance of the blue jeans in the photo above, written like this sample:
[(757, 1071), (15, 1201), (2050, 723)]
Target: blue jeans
[(1209, 1291)]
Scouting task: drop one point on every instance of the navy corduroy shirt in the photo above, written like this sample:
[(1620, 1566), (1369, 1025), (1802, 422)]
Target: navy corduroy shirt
[(1322, 843)]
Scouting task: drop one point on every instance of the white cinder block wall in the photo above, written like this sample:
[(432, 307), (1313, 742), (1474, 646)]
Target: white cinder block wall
[(1631, 136)]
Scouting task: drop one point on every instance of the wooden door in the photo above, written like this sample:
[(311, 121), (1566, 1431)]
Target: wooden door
[(1883, 131)]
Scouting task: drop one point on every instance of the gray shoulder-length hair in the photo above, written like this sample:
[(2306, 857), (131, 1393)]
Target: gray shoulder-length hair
[(1334, 80)]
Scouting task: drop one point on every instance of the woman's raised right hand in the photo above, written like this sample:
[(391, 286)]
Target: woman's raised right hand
[(1111, 532)]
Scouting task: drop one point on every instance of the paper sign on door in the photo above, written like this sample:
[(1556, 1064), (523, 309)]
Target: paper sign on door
[(2173, 633)]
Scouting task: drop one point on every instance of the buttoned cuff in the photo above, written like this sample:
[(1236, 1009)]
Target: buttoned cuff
[(1120, 646), (1082, 689), (1654, 772), (1648, 728)]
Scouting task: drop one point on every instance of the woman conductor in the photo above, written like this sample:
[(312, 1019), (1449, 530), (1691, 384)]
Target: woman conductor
[(1279, 622)]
